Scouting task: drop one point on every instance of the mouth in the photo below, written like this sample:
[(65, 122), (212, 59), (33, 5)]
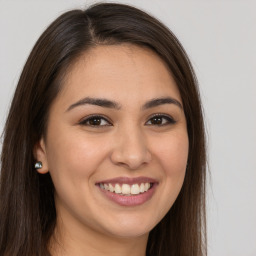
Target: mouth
[(128, 191)]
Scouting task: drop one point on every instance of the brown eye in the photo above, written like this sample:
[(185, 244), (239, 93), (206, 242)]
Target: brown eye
[(160, 120), (95, 121)]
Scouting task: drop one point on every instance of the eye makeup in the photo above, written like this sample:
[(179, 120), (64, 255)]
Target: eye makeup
[(98, 121)]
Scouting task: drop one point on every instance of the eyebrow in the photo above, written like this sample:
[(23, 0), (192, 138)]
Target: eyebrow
[(114, 105), (161, 101)]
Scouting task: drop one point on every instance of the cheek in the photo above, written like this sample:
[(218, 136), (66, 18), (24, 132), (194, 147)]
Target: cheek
[(72, 156), (173, 154), (73, 160)]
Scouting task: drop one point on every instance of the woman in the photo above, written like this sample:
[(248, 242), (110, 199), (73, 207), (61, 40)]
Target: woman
[(104, 150)]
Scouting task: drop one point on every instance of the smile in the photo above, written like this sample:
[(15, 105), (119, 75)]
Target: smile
[(126, 189)]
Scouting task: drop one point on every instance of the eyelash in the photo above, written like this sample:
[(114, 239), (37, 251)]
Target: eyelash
[(169, 120)]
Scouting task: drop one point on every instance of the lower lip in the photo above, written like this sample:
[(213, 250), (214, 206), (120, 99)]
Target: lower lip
[(132, 200)]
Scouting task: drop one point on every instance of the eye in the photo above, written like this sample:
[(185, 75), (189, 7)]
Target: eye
[(160, 120), (95, 121)]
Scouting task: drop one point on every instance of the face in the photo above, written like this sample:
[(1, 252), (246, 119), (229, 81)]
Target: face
[(116, 144)]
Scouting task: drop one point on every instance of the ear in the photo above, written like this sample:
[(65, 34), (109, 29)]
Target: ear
[(40, 155)]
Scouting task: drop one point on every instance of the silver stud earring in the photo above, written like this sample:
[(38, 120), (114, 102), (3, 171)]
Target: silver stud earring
[(38, 165)]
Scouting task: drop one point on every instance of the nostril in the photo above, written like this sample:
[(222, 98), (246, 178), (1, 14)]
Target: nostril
[(131, 161)]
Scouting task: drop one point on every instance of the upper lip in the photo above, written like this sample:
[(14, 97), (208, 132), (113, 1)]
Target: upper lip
[(128, 180)]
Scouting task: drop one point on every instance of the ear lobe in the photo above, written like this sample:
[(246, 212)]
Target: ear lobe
[(41, 156)]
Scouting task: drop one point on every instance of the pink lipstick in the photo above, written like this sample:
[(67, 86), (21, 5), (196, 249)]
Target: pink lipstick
[(127, 191)]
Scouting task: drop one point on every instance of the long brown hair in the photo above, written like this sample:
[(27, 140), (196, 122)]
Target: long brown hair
[(27, 210)]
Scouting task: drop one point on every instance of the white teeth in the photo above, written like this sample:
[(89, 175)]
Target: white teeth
[(147, 186), (126, 189), (110, 188), (142, 187), (118, 189), (135, 189)]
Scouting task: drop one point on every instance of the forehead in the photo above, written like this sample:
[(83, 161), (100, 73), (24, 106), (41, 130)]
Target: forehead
[(126, 72)]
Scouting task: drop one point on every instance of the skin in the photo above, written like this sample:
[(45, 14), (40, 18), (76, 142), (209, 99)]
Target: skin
[(126, 143)]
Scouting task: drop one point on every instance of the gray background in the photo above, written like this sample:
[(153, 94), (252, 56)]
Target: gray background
[(220, 38)]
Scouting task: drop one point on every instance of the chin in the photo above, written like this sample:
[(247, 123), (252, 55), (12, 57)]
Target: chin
[(131, 233), (130, 228)]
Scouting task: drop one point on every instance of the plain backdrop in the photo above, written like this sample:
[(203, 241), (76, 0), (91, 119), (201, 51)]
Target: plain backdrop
[(220, 38)]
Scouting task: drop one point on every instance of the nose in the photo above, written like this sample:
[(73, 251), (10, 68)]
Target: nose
[(130, 150)]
